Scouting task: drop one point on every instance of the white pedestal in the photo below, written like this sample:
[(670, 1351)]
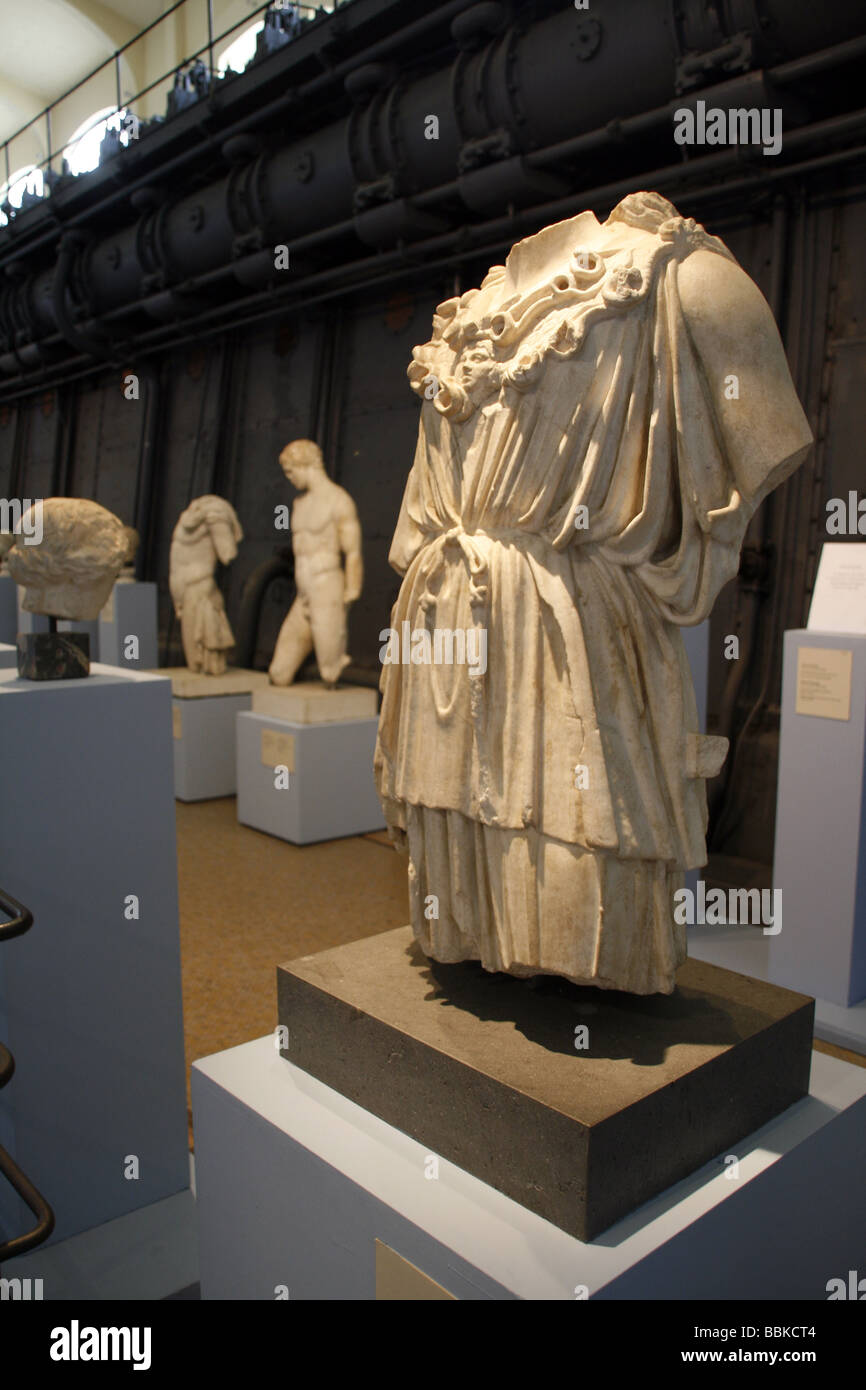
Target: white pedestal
[(90, 998), (8, 608), (8, 656), (295, 1184), (204, 709), (129, 612), (330, 791), (820, 854)]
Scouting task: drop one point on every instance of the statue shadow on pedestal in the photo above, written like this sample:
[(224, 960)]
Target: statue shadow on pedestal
[(546, 1009)]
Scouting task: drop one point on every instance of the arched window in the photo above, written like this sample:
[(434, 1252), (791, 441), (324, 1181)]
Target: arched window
[(82, 151), (25, 180), (240, 51)]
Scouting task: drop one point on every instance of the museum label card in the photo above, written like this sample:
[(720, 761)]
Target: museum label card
[(278, 749), (839, 600), (824, 682)]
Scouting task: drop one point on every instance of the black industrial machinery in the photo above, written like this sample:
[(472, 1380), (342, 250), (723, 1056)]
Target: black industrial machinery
[(370, 163), (424, 139)]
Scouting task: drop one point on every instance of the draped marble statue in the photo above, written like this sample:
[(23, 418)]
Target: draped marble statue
[(599, 422), (207, 532)]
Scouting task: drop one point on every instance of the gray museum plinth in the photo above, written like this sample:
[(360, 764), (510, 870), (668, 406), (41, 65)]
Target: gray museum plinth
[(90, 997), (327, 790), (129, 612), (820, 853), (204, 709), (8, 609), (578, 1103)]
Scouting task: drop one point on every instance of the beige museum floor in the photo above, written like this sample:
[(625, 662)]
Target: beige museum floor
[(248, 901)]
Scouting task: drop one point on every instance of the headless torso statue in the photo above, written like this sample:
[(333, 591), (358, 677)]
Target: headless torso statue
[(326, 537), (599, 422), (207, 532)]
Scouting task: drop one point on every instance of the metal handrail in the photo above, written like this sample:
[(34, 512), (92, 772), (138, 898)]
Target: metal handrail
[(21, 921), (308, 10)]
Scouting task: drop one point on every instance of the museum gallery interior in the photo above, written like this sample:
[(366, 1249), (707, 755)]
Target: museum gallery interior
[(432, 650)]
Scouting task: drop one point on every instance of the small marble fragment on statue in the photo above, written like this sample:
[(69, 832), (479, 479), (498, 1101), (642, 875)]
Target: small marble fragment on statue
[(70, 572), (326, 537), (206, 534), (599, 422)]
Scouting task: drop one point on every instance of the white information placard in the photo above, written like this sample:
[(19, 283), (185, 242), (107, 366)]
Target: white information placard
[(839, 600), (824, 682)]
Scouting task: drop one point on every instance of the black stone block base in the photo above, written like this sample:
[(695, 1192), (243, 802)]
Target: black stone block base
[(579, 1103), (53, 656)]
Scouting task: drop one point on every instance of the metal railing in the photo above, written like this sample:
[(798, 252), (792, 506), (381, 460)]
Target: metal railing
[(21, 921), (194, 76)]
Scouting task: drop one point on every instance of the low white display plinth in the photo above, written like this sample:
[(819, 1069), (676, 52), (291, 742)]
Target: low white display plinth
[(820, 854), (307, 782), (204, 709), (129, 612), (90, 997), (295, 1185)]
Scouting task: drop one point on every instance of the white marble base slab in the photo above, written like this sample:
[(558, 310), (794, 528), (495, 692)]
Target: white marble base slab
[(192, 685), (311, 702)]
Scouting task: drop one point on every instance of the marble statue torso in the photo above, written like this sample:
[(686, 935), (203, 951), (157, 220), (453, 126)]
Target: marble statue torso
[(579, 491)]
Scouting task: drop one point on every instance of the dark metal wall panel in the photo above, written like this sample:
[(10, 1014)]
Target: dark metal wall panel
[(274, 385), (378, 429), (106, 447), (38, 454), (9, 415), (845, 457)]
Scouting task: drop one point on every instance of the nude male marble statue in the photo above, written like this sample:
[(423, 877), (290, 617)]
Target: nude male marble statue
[(329, 572), (599, 422), (207, 533)]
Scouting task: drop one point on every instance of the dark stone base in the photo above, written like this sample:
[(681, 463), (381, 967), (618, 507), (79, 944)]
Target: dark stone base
[(53, 656), (483, 1069)]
